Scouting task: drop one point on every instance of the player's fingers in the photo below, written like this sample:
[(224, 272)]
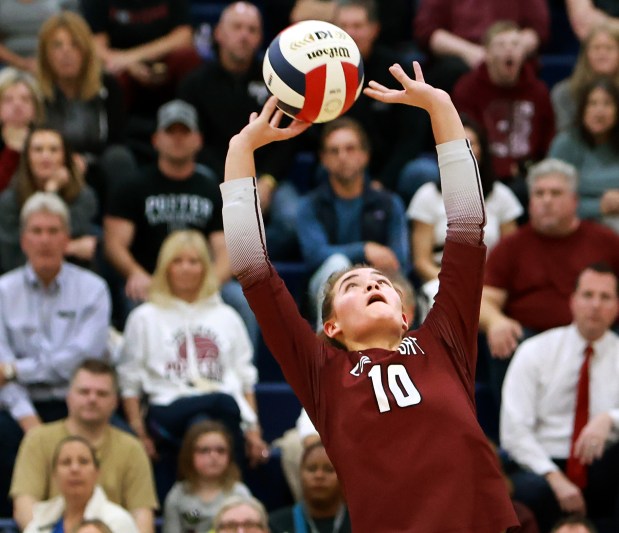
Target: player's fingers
[(269, 107), (253, 116), (398, 73), (276, 118), (377, 86), (418, 72)]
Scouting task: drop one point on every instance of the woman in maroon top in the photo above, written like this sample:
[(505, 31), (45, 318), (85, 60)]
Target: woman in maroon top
[(395, 409)]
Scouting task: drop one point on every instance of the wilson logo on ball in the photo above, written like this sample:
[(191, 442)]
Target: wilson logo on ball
[(315, 70)]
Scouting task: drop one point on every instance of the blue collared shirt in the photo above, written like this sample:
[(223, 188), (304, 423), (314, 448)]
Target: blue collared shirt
[(47, 331)]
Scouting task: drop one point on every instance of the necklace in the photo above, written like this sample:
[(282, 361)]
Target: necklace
[(301, 515)]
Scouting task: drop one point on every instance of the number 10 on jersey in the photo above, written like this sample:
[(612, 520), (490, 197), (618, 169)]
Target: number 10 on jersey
[(400, 384)]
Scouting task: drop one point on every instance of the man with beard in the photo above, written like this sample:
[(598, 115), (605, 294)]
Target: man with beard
[(345, 220), (505, 96)]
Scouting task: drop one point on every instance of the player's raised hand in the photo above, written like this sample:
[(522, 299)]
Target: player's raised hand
[(264, 127), (414, 92)]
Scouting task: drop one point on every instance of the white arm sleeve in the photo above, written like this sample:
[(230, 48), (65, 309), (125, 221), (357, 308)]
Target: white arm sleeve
[(462, 192)]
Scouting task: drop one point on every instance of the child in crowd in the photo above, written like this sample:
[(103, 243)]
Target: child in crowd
[(207, 474)]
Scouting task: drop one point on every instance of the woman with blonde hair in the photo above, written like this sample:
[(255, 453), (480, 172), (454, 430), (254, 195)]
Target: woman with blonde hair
[(599, 56), (47, 165), (21, 108), (189, 353), (81, 101)]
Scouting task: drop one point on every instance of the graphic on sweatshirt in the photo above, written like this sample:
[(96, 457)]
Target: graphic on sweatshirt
[(197, 345)]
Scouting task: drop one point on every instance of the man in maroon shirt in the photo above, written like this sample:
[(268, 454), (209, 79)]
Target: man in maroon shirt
[(505, 96), (453, 31), (531, 273)]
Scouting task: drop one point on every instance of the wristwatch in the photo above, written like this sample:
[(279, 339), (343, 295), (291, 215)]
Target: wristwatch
[(8, 370)]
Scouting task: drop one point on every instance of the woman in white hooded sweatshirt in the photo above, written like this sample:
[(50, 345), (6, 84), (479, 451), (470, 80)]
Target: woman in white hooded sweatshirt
[(189, 353)]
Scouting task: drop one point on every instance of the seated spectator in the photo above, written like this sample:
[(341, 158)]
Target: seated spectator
[(346, 221), (560, 409), (148, 45), (504, 95), (173, 193), (233, 78), (241, 512), (427, 212), (81, 102), (574, 524), (599, 56), (53, 315), (75, 468), (125, 473), (207, 476), (531, 273), (21, 108), (20, 21), (453, 32), (322, 507), (392, 139), (592, 146), (189, 354), (48, 166)]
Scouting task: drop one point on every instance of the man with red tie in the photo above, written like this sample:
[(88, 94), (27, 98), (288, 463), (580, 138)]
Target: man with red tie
[(560, 409)]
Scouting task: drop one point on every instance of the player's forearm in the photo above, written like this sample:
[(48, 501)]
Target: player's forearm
[(446, 123), (240, 162)]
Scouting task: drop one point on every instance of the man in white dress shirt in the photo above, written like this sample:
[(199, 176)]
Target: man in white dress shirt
[(539, 402)]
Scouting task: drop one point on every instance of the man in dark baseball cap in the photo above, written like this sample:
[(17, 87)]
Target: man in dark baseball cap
[(177, 112)]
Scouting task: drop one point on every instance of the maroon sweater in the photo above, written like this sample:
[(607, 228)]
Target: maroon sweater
[(519, 120)]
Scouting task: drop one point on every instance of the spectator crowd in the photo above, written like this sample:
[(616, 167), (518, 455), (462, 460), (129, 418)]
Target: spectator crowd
[(130, 360)]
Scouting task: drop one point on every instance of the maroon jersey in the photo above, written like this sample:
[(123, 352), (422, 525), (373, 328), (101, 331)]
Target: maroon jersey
[(400, 426)]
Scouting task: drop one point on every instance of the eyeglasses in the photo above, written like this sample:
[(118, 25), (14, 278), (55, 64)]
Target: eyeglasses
[(232, 527), (219, 450)]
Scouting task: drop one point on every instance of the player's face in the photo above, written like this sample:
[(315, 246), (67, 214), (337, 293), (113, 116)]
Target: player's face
[(318, 478), (354, 21), (17, 106), (600, 113), (211, 455), (343, 156), (594, 303), (366, 308), (64, 55), (552, 206), (603, 54), (504, 57), (92, 398), (239, 33), (75, 471), (186, 273)]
